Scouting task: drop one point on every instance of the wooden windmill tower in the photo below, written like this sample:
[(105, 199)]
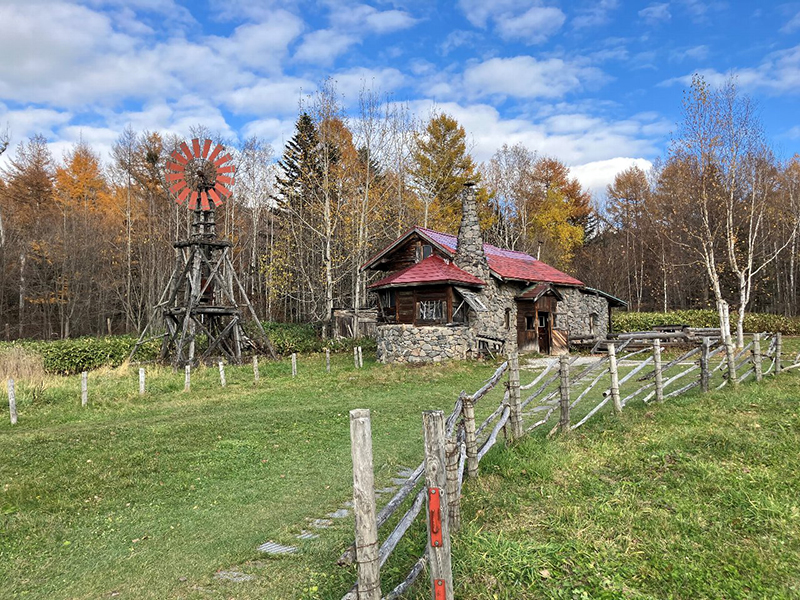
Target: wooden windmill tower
[(199, 309)]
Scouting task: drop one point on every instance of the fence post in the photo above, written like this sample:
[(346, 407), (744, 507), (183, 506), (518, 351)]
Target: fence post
[(704, 372), (369, 570), (471, 442), (612, 369), (142, 388), (730, 357), (563, 391), (778, 351), (187, 378), (84, 388), (360, 359), (658, 371), (438, 528), (328, 360), (12, 402), (294, 364), (453, 495), (515, 414), (355, 356), (757, 362), (256, 374), (222, 381)]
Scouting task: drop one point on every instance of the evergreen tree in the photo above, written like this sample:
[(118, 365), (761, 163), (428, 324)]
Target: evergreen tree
[(300, 168)]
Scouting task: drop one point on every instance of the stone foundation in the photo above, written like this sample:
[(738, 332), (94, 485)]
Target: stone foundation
[(411, 344)]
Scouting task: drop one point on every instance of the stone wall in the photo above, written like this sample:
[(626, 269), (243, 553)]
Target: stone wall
[(412, 344), (497, 297), (575, 310)]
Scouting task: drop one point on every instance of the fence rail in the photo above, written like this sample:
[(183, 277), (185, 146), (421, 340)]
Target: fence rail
[(562, 386)]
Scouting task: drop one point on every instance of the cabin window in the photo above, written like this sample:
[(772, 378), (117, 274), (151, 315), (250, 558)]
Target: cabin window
[(592, 323), (431, 311), (542, 319), (530, 324), (427, 250), (387, 298), (508, 319), (461, 313)]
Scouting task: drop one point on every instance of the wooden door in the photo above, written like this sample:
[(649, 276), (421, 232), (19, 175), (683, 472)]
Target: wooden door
[(543, 329), (527, 340)]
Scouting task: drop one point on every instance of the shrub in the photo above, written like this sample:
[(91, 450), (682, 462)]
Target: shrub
[(753, 322)]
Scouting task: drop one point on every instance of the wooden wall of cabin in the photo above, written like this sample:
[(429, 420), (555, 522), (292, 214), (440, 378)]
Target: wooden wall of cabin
[(407, 303), (528, 339)]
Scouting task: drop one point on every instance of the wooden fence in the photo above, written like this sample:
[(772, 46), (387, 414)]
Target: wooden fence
[(458, 443)]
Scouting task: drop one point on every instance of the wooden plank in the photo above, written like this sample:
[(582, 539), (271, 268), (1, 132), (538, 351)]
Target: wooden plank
[(612, 369), (757, 360), (659, 374), (84, 388), (563, 367), (436, 482), (470, 437), (366, 525), (515, 420)]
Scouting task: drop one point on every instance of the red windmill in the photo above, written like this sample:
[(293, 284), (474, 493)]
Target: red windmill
[(199, 297), (200, 177)]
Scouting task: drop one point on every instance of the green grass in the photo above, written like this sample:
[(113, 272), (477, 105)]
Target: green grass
[(696, 498), (148, 497)]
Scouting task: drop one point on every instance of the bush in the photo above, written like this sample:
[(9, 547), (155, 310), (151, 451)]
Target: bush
[(305, 337), (753, 322)]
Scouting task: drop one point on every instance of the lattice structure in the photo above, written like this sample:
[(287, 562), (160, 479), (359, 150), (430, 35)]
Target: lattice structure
[(200, 313)]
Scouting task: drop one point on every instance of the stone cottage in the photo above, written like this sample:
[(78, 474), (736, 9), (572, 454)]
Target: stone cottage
[(453, 298)]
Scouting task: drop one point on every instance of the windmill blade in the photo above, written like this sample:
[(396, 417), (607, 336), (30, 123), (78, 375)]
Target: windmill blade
[(175, 166), (206, 148), (216, 152), (186, 152), (212, 193), (224, 179), (183, 195), (179, 158), (196, 148), (226, 169), (222, 190), (204, 201), (222, 160), (193, 200), (177, 187), (175, 177)]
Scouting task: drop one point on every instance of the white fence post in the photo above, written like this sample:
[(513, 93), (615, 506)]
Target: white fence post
[(84, 388), (222, 381), (141, 381), (12, 402), (187, 378)]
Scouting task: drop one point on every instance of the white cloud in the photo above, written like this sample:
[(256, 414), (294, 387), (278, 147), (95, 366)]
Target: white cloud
[(529, 21), (597, 15), (269, 96), (597, 175), (778, 73), (596, 139), (656, 13), (262, 45), (361, 17), (526, 77), (322, 47), (792, 24), (350, 83)]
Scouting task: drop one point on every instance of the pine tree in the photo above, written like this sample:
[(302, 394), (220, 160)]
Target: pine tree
[(300, 166), (440, 167)]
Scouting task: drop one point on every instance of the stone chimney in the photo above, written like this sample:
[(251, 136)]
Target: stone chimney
[(469, 255)]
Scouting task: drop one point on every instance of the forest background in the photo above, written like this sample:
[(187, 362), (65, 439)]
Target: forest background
[(714, 223)]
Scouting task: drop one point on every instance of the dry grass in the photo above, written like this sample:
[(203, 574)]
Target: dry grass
[(21, 364)]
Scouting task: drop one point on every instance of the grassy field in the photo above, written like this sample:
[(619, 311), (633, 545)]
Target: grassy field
[(696, 498), (150, 497)]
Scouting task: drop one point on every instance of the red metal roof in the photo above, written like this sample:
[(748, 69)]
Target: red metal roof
[(433, 269), (508, 264)]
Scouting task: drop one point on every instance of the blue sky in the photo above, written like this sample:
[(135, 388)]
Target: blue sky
[(597, 84)]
